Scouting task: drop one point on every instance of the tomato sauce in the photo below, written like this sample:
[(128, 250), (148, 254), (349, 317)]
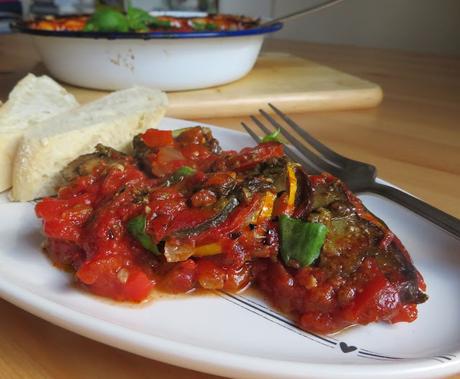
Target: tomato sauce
[(210, 23), (180, 214)]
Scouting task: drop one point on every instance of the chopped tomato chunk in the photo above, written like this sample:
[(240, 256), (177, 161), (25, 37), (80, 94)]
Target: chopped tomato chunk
[(158, 138)]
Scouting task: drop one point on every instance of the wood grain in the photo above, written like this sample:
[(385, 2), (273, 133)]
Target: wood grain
[(413, 138), (33, 348), (295, 84)]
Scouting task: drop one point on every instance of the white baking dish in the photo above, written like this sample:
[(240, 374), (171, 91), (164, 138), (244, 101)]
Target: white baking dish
[(165, 60)]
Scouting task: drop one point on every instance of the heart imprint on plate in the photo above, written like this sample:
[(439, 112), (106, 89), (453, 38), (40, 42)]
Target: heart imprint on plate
[(347, 349)]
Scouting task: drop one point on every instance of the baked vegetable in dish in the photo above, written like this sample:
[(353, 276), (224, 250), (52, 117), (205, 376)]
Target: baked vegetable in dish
[(181, 214), (138, 20)]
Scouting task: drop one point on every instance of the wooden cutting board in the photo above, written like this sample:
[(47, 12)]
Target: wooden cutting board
[(292, 83)]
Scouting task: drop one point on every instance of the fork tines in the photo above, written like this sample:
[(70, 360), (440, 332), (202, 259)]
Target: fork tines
[(307, 157), (359, 176)]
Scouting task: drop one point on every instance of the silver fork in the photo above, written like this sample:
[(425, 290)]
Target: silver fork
[(359, 176)]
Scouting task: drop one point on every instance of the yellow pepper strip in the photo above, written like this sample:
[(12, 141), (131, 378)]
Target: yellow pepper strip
[(292, 180), (207, 250), (179, 253), (267, 207)]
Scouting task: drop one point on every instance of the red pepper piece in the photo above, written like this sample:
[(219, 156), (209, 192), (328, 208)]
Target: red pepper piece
[(158, 138)]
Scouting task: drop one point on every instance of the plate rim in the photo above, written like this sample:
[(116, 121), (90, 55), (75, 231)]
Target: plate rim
[(205, 359)]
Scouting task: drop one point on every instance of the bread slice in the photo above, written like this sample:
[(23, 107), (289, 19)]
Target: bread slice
[(32, 100), (48, 147)]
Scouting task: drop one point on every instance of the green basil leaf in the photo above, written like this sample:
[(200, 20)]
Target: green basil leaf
[(178, 132), (185, 171), (138, 19), (300, 241), (107, 20), (157, 23), (198, 26), (89, 27), (272, 137), (136, 227), (211, 27), (179, 174), (203, 26)]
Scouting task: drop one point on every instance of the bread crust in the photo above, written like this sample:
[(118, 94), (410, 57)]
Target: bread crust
[(33, 100), (48, 147)]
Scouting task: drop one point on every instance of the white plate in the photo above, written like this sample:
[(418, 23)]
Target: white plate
[(236, 335)]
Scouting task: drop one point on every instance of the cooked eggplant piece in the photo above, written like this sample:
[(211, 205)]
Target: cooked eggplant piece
[(363, 273), (221, 183), (141, 152), (224, 207), (199, 135), (85, 164), (303, 198)]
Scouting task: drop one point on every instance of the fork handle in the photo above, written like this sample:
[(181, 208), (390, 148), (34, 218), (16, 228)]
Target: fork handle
[(438, 217)]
